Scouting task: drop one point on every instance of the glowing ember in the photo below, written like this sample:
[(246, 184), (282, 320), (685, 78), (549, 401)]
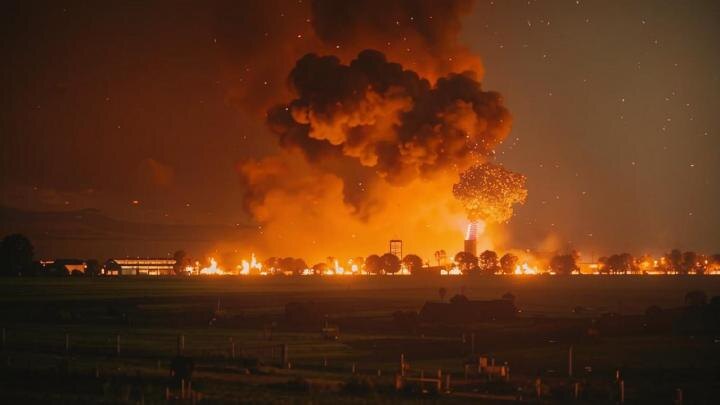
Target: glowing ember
[(488, 192)]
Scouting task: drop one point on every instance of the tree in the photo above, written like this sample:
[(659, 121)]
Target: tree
[(603, 265), (92, 267), (442, 292), (293, 265), (703, 262), (488, 262), (564, 264), (272, 264), (16, 255), (621, 264), (674, 261), (319, 268), (181, 262), (466, 261), (413, 263), (373, 264), (440, 257), (689, 261), (390, 263), (508, 263)]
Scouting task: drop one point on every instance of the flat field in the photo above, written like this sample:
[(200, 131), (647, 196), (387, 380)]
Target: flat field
[(61, 339)]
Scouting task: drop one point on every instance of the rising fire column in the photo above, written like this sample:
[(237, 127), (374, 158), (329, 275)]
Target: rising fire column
[(471, 238)]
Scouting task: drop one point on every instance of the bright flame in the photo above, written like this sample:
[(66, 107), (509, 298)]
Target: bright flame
[(246, 266), (455, 271), (213, 268), (525, 269)]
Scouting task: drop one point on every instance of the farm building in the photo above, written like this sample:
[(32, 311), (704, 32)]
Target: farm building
[(71, 266), (465, 311), (137, 267)]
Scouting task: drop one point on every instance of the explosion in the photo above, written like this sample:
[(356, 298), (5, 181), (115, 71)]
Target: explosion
[(489, 191), (372, 135)]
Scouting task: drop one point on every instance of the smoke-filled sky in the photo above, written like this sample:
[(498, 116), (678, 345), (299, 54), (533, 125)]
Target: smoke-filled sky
[(322, 128)]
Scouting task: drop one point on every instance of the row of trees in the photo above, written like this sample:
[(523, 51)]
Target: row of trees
[(674, 262), (17, 253)]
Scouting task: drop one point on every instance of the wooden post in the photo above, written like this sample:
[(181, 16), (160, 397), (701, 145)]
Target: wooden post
[(402, 364), (398, 382), (678, 396), (576, 390), (379, 372), (353, 368), (447, 382), (538, 387), (284, 358), (180, 344), (621, 388), (182, 389), (570, 361), (167, 393), (439, 380)]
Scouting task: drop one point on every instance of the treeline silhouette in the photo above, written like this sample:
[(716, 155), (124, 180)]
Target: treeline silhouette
[(17, 259)]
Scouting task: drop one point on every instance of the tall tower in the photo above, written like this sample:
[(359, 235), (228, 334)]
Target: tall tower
[(471, 239), (396, 248)]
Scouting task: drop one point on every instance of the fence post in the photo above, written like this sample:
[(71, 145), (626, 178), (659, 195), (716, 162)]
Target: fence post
[(678, 396), (284, 355), (402, 364), (180, 344)]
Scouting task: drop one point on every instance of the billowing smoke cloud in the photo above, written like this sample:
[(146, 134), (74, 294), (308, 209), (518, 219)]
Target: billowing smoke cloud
[(262, 40), (423, 34), (388, 118), (380, 111)]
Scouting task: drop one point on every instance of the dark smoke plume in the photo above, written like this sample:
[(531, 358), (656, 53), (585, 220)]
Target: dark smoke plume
[(263, 39), (388, 118)]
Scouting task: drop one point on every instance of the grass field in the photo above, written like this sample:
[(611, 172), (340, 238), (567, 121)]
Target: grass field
[(148, 314)]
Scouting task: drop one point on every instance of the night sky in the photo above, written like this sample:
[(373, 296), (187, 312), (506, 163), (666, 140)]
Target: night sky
[(138, 128)]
